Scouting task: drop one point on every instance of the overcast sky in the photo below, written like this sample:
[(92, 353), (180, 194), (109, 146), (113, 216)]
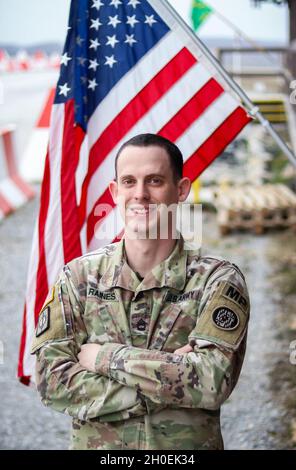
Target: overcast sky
[(34, 21)]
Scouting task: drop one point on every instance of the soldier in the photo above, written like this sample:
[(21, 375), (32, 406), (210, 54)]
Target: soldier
[(143, 340)]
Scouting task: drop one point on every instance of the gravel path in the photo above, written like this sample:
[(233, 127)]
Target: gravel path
[(252, 418)]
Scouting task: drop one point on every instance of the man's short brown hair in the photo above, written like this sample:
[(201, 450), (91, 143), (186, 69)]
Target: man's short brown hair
[(149, 140)]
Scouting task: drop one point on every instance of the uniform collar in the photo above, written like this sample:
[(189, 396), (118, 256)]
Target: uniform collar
[(171, 272)]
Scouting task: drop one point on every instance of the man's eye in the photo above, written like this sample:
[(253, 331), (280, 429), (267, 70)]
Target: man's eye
[(127, 182), (155, 180)]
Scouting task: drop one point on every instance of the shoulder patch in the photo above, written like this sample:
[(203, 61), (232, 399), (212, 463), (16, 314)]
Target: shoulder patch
[(225, 317), (51, 321), (43, 321)]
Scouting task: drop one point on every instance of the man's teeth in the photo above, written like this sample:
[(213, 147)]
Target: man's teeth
[(140, 211)]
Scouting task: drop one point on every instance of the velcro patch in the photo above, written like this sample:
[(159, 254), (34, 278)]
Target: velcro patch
[(231, 292), (107, 296), (176, 298), (43, 322), (51, 322), (224, 318)]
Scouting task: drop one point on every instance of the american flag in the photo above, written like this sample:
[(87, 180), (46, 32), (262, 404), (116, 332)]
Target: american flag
[(127, 67)]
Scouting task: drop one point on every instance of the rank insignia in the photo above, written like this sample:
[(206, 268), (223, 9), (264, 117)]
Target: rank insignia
[(43, 322)]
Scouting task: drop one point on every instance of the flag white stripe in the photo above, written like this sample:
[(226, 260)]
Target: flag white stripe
[(154, 120), (53, 235), (30, 300), (83, 239), (82, 167)]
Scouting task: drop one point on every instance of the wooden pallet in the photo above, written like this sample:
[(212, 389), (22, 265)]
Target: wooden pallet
[(255, 208)]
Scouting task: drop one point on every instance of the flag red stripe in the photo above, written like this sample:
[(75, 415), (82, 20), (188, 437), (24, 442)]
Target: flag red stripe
[(20, 370), (118, 237), (134, 111), (41, 279), (72, 140), (45, 115), (93, 219), (215, 144), (191, 110)]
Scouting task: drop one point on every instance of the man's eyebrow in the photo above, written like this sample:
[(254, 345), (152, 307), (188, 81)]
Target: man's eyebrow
[(155, 174), (151, 175), (126, 176)]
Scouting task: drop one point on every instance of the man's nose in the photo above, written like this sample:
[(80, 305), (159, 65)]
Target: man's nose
[(141, 191)]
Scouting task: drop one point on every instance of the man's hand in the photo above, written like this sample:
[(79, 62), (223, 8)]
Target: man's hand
[(87, 356), (184, 350)]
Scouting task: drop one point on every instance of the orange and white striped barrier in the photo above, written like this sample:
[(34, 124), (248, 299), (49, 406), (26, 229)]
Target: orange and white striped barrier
[(22, 61), (14, 191), (32, 165)]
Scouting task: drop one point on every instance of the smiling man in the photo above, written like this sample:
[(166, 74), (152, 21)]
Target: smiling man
[(142, 341)]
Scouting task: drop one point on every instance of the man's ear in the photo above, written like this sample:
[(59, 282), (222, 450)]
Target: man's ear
[(184, 186), (113, 188)]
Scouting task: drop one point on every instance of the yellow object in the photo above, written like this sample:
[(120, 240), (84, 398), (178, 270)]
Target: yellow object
[(196, 185)]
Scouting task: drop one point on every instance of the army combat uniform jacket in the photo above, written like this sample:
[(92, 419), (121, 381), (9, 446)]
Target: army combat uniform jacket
[(143, 396)]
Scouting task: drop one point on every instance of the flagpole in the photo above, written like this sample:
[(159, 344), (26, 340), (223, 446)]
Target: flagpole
[(252, 109), (240, 33)]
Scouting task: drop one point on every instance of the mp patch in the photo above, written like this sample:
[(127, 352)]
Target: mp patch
[(43, 322), (225, 318), (232, 293)]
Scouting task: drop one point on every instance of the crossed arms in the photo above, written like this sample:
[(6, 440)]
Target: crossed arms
[(113, 381)]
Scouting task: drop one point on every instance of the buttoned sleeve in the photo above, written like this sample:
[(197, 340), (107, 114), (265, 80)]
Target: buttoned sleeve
[(62, 382), (205, 377)]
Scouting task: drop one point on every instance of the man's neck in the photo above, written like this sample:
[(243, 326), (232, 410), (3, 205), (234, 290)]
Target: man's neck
[(144, 255)]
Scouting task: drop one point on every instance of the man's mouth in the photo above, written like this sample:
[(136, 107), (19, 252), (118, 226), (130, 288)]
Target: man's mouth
[(140, 210)]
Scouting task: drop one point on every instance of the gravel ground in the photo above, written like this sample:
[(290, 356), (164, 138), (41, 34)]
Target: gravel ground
[(253, 417)]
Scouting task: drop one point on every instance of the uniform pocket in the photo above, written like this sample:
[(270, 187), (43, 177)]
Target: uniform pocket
[(166, 322), (178, 335)]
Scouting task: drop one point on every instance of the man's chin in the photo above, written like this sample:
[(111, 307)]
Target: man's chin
[(140, 231)]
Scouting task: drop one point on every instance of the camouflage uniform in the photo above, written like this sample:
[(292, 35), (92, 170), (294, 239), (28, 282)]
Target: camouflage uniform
[(143, 396)]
